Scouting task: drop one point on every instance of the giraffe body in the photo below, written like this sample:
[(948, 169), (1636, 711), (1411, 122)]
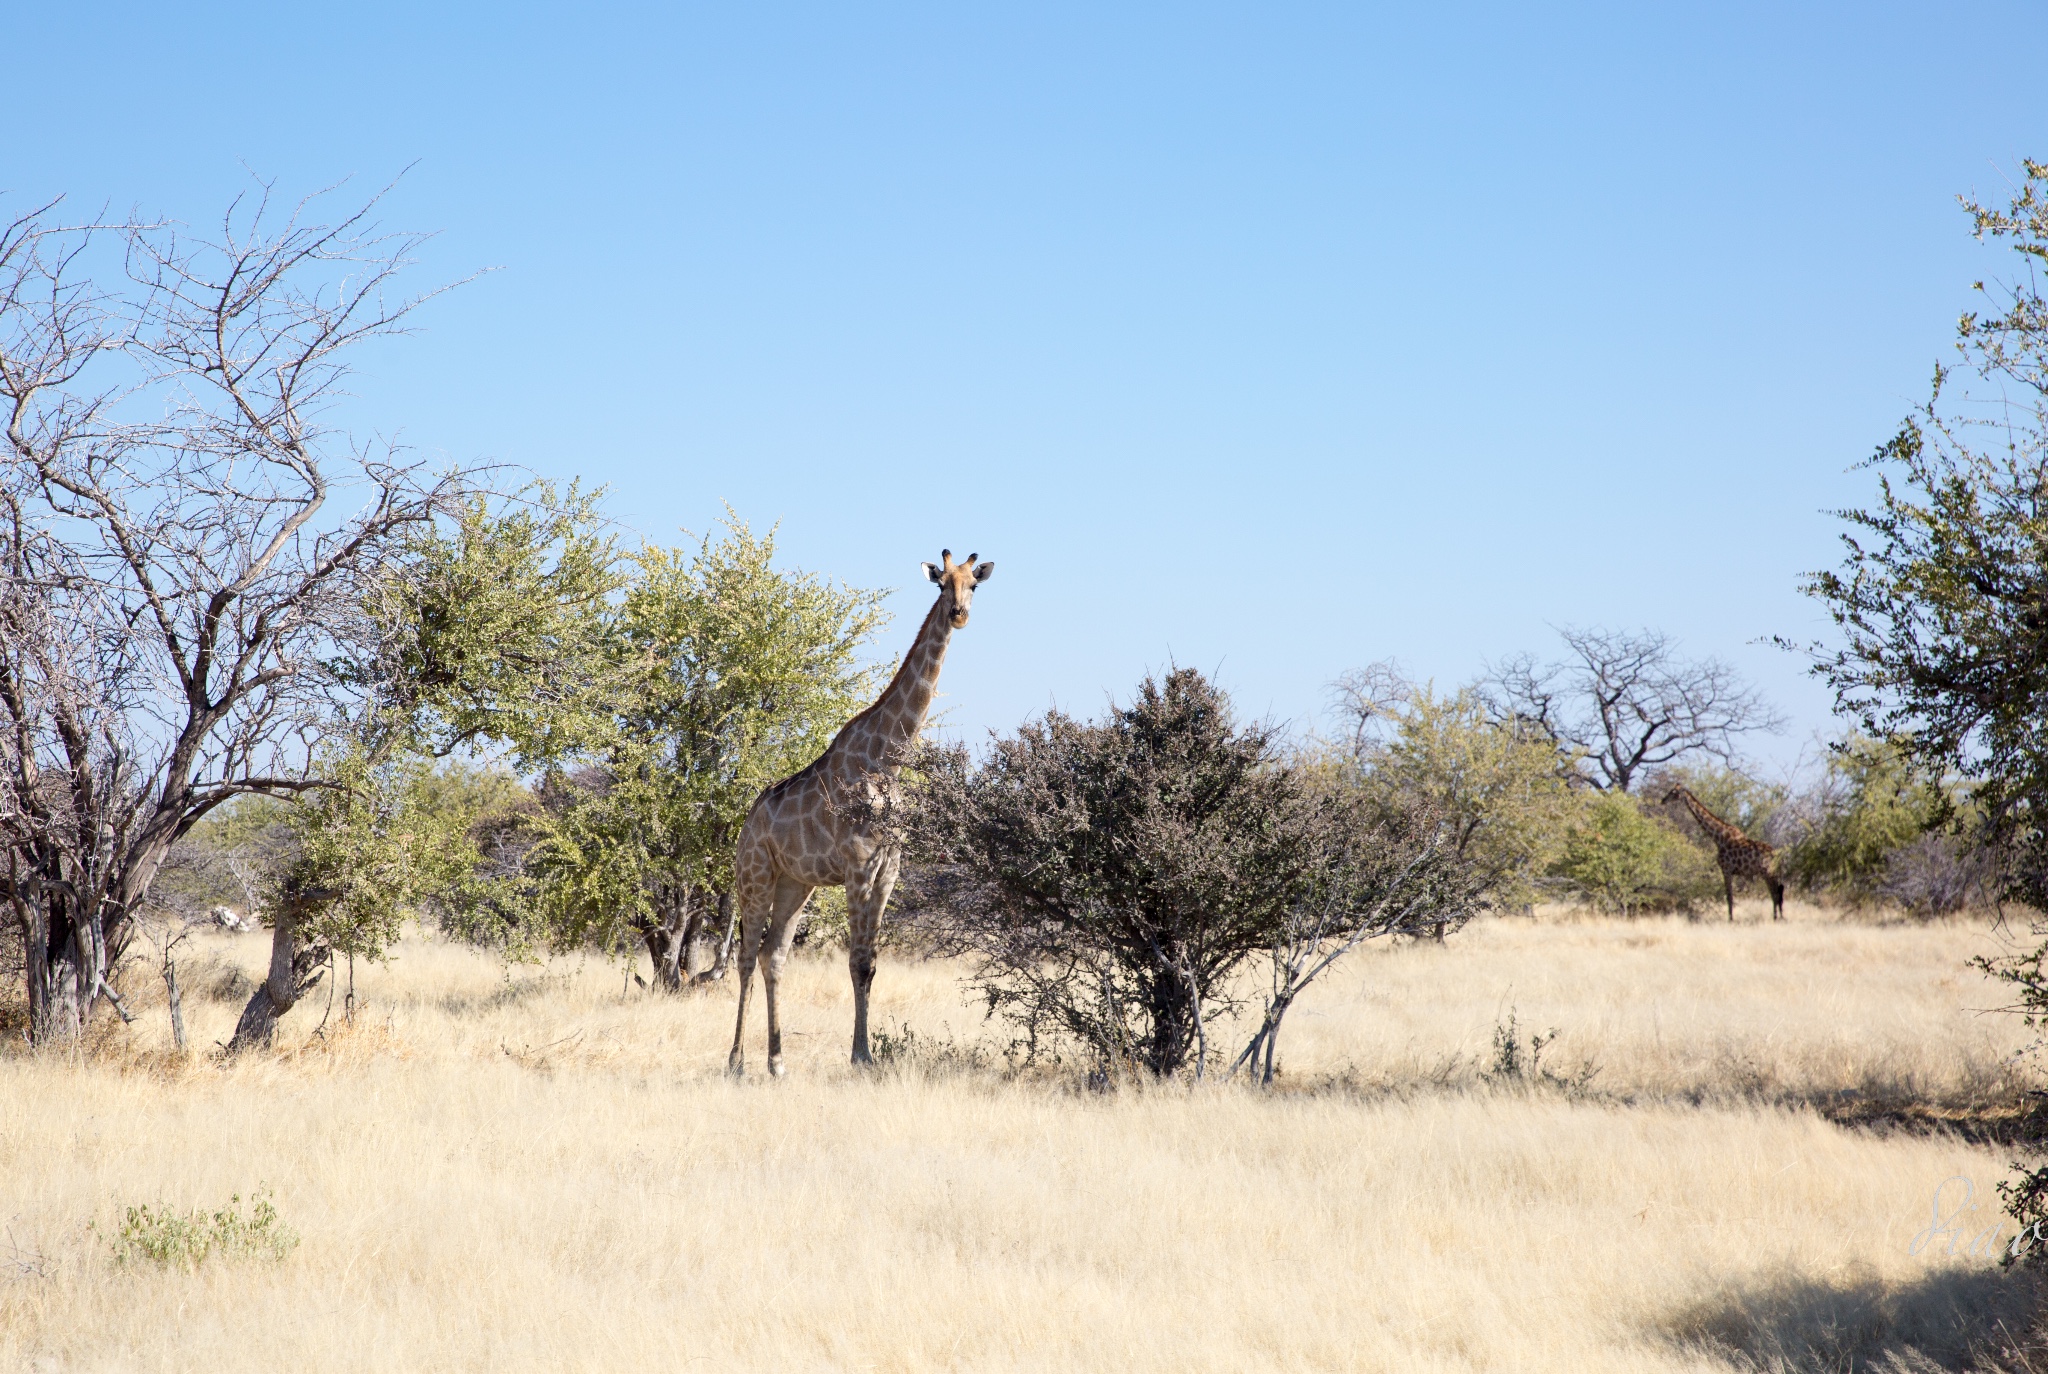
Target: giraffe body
[(1738, 855), (822, 826)]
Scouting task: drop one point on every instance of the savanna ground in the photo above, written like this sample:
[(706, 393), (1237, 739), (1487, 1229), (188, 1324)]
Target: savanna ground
[(1721, 1162)]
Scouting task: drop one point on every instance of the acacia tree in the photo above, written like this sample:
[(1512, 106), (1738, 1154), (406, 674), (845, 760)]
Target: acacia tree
[(485, 626), (1941, 598), (1627, 702), (728, 674), (179, 527)]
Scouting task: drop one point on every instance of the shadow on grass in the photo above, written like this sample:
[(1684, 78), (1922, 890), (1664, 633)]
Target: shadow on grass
[(1951, 1319)]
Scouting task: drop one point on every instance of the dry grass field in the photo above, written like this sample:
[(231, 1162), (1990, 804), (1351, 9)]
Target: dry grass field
[(548, 1169)]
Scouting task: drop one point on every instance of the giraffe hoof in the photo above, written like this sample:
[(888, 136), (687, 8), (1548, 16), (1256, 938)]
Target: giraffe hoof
[(775, 1069)]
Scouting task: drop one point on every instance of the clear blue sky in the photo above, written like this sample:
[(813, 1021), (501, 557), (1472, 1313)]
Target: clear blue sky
[(1267, 339)]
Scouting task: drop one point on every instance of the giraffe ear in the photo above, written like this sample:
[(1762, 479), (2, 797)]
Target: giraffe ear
[(931, 572), (984, 572)]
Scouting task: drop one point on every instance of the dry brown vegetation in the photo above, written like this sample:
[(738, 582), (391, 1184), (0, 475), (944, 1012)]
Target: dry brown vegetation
[(549, 1169)]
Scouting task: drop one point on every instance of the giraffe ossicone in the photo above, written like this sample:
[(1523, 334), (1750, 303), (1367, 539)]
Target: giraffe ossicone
[(824, 825)]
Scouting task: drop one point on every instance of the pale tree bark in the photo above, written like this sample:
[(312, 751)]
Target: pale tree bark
[(175, 574), (296, 967)]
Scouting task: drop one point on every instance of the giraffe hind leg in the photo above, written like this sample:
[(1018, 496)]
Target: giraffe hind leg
[(754, 894)]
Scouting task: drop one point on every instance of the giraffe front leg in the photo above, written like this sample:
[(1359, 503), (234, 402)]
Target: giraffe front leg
[(1728, 881), (864, 903)]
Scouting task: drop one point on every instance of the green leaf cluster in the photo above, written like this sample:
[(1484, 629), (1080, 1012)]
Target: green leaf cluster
[(177, 1239), (391, 837), (1873, 801), (494, 627), (1622, 857), (1502, 791), (728, 673)]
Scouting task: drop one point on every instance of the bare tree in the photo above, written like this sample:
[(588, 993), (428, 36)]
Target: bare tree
[(1373, 870), (1628, 702), (184, 539), (1368, 701)]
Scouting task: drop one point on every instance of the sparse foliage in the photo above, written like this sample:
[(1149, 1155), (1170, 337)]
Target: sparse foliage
[(181, 532), (1625, 703), (1941, 598), (1369, 866)]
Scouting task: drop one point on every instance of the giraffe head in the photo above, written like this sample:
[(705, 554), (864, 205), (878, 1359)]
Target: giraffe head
[(957, 582)]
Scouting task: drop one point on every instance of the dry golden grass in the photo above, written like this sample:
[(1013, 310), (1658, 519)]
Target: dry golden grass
[(548, 1171)]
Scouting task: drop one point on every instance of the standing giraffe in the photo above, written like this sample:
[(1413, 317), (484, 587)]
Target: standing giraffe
[(821, 826), (1738, 854)]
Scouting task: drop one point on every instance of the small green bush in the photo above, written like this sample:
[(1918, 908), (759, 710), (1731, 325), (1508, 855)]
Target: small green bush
[(185, 1240), (1621, 858), (1871, 804), (1519, 1060)]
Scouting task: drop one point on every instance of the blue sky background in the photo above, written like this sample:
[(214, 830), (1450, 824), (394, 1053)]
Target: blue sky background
[(1272, 340)]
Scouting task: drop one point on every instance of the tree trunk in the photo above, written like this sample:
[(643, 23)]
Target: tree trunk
[(64, 972), (1175, 1017), (60, 1006), (177, 1002), (725, 924), (697, 952), (668, 941), (293, 972)]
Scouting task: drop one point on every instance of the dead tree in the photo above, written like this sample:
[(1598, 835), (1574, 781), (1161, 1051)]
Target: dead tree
[(1373, 870), (1628, 702), (183, 539)]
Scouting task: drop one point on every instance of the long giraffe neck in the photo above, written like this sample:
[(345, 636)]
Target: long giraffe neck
[(880, 737), (1709, 822)]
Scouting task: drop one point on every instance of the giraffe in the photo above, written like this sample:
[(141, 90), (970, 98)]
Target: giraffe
[(820, 826), (1738, 855)]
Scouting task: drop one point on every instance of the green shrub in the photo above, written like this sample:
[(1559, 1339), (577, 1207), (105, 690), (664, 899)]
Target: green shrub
[(1871, 803), (185, 1240), (1621, 858)]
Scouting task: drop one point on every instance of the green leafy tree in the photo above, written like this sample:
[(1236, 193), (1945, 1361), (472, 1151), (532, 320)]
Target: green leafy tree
[(488, 628), (1501, 790), (1941, 598), (731, 674), (1621, 857), (1871, 803)]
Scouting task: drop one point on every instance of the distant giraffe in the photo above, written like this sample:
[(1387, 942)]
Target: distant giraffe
[(821, 827), (1738, 854)]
